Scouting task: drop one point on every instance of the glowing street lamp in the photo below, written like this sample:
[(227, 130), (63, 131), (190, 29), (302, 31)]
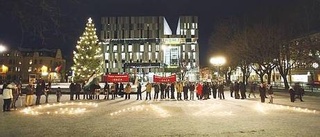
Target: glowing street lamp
[(2, 48), (218, 61)]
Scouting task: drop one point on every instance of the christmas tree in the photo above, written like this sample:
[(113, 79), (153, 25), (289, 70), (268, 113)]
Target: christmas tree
[(87, 56)]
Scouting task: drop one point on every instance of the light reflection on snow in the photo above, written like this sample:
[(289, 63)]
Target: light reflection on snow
[(142, 108), (263, 108), (59, 108)]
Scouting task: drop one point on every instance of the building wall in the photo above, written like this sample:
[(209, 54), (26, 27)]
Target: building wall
[(22, 63), (149, 39)]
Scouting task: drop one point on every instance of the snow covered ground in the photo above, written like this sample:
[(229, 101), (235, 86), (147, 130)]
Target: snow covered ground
[(213, 117)]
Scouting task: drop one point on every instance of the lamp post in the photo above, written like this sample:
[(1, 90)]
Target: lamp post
[(218, 61), (315, 66), (2, 48)]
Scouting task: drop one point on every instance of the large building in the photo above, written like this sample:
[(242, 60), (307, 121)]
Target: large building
[(147, 46), (28, 65)]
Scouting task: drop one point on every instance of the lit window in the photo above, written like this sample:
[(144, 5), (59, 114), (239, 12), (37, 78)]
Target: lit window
[(157, 47), (122, 48), (140, 55), (183, 55), (114, 65), (106, 56), (30, 61), (107, 48), (193, 47), (149, 47), (193, 32), (141, 48), (188, 26), (183, 47), (130, 55), (130, 48), (189, 55), (30, 69), (196, 25), (123, 56), (194, 55), (115, 48), (149, 56), (137, 55), (157, 55), (193, 26), (116, 56)]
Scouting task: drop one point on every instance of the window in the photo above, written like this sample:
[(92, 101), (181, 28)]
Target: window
[(193, 32), (157, 47), (107, 48), (183, 55), (193, 26), (30, 61), (106, 56), (193, 47), (123, 56), (137, 55), (130, 56), (30, 69), (141, 48), (40, 61), (116, 55), (189, 55), (157, 55), (115, 48), (194, 55), (35, 61), (149, 56), (130, 48), (183, 47), (122, 48), (149, 48)]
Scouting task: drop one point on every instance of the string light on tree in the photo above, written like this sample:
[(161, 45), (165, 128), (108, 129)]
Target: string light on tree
[(87, 55)]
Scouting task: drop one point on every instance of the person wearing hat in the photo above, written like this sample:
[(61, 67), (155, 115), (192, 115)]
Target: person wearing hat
[(7, 96)]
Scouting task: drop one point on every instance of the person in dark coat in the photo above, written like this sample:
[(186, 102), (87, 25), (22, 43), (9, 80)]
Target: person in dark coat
[(162, 88), (172, 90), (291, 92), (242, 90), (72, 88), (236, 90), (156, 91), (77, 90), (214, 90), (185, 91), (298, 91), (139, 96), (39, 92), (221, 91), (106, 90), (262, 90), (231, 89)]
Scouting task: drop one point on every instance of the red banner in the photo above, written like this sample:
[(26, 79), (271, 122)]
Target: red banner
[(171, 78), (116, 78)]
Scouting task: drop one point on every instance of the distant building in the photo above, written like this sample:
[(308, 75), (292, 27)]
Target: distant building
[(28, 65), (147, 46)]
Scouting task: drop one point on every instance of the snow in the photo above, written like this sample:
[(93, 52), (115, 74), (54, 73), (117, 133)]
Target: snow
[(213, 117)]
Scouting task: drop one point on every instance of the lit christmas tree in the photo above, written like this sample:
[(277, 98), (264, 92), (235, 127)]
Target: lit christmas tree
[(87, 56)]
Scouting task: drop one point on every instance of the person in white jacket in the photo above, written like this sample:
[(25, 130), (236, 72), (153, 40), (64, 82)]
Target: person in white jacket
[(7, 96)]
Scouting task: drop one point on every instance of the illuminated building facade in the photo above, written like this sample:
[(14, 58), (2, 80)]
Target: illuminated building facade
[(28, 65), (147, 46)]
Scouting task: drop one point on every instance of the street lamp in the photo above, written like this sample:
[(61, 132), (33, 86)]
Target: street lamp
[(2, 48), (4, 70), (44, 70), (218, 61), (315, 66)]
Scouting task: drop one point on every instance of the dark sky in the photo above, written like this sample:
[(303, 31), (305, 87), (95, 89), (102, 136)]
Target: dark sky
[(75, 14)]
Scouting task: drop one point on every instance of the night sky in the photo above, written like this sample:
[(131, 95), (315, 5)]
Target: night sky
[(75, 14)]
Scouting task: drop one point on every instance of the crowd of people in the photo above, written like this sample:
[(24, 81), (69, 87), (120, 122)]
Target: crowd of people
[(181, 90)]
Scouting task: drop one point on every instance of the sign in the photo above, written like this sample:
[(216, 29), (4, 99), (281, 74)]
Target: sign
[(116, 78), (171, 78), (172, 41)]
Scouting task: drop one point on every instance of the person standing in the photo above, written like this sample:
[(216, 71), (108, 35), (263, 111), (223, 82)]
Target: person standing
[(58, 94), (148, 91), (106, 91), (113, 91), (162, 88), (262, 90), (39, 92), (242, 87), (270, 93), (236, 90), (191, 88), (185, 90), (15, 93), (7, 97), (179, 88), (121, 89), (139, 97), (77, 89), (71, 88), (172, 90), (156, 91), (127, 91), (46, 93), (291, 92), (298, 91), (221, 90), (166, 91), (29, 95), (214, 88), (232, 89)]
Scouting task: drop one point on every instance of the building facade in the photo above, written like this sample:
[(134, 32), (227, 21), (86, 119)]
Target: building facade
[(27, 65), (147, 46)]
